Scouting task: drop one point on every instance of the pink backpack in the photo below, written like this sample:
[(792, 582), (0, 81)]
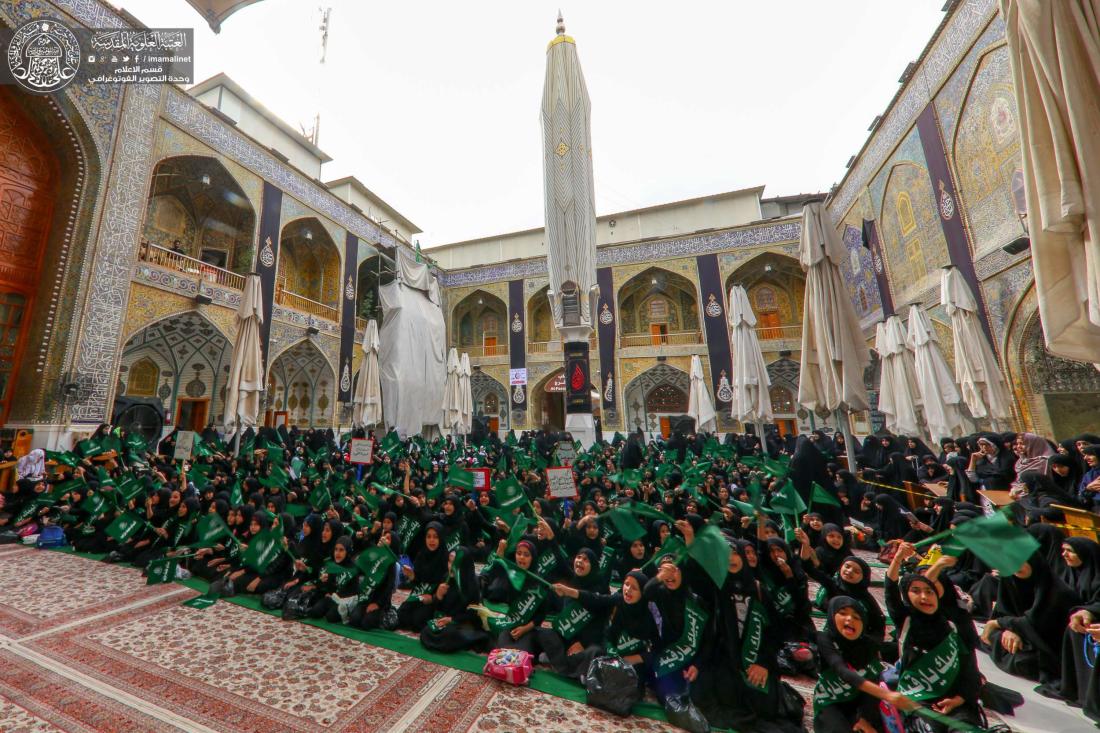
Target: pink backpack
[(509, 665)]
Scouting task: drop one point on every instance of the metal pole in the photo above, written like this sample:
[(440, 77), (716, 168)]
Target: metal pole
[(846, 430), (237, 442)]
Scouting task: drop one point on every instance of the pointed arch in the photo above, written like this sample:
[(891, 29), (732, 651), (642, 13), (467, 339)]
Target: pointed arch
[(658, 392), (657, 304), (309, 275), (479, 324), (302, 382)]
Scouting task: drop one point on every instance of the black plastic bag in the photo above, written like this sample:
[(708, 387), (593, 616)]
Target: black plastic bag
[(682, 713), (298, 605), (612, 685), (274, 598)]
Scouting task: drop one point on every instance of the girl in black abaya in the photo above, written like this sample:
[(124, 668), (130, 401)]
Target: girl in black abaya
[(935, 664), (455, 626), (1032, 607), (847, 693), (429, 570), (808, 466), (1081, 569), (785, 588), (739, 682), (892, 522), (959, 487)]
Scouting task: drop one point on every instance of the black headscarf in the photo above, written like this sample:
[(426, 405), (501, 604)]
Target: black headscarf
[(1084, 579), (925, 631), (831, 559), (808, 466), (1066, 484), (959, 487), (892, 523), (857, 652), (1042, 600), (1050, 544), (430, 566)]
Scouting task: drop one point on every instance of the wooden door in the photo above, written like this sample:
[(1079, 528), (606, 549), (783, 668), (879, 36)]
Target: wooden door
[(786, 427), (768, 325), (658, 333), (666, 427), (191, 413), (490, 344), (28, 188), (494, 424)]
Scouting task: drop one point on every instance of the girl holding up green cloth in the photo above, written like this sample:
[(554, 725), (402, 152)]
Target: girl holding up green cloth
[(527, 606), (936, 667)]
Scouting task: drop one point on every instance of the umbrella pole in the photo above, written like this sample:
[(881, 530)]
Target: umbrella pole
[(237, 442), (841, 418)]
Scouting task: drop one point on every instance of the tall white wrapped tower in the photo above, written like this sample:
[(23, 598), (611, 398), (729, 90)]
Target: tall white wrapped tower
[(570, 221)]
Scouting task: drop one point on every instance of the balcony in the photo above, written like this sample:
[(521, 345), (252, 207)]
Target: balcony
[(489, 350), (554, 347), (303, 304), (675, 338), (779, 338), (201, 271), (360, 324)]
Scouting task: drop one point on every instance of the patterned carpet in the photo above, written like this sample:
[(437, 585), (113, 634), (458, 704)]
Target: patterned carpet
[(86, 646)]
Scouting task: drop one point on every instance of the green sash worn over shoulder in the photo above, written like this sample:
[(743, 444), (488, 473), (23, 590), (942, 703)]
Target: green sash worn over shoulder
[(521, 610), (931, 676), (831, 689), (752, 636), (680, 654)]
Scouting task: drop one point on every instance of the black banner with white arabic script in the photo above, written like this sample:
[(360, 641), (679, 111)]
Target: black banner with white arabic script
[(715, 326), (605, 327), (270, 210), (347, 316), (517, 350)]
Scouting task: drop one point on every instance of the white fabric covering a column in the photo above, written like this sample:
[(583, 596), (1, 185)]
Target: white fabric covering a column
[(896, 398), (700, 405), (940, 398), (367, 402), (466, 395), (1054, 50), (246, 366), (750, 380), (976, 370), (411, 357)]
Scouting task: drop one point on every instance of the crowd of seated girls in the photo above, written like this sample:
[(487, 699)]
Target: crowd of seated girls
[(584, 592)]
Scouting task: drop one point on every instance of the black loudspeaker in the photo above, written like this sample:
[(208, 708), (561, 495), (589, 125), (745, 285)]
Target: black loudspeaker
[(682, 424), (479, 429)]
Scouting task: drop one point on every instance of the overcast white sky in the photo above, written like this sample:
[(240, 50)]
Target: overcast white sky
[(434, 105)]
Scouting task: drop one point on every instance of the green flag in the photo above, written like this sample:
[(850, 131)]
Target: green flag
[(629, 477), (517, 532), (390, 444), (320, 497), (94, 504), (338, 574), (461, 478), (645, 510), (129, 488), (89, 447), (509, 494), (210, 530), (787, 500), (65, 458), (201, 602), (626, 524), (711, 550), (382, 473), (262, 550), (236, 496), (998, 543), (161, 570), (374, 563), (124, 527), (821, 496)]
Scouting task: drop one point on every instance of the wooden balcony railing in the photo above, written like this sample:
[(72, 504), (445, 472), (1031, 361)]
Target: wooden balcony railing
[(775, 333), (487, 350), (554, 347), (305, 305), (170, 260), (360, 324), (676, 338)]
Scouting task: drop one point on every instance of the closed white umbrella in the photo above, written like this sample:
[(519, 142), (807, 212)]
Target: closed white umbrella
[(246, 367), (466, 395), (834, 354), (750, 381), (976, 370), (940, 398), (367, 402), (897, 398), (700, 405), (1054, 51), (452, 393)]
